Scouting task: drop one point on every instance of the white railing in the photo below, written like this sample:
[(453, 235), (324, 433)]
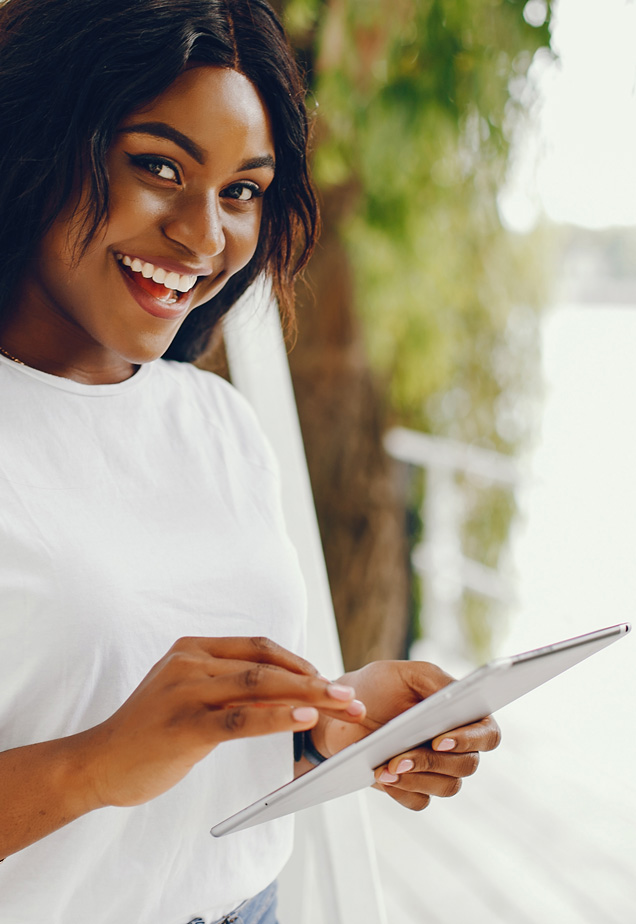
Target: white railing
[(439, 559), (332, 875)]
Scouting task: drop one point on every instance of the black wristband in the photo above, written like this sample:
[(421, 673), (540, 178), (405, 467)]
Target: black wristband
[(305, 747)]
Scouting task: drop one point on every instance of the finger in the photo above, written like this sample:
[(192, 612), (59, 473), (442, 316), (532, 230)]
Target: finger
[(256, 648), (424, 760), (481, 736), (341, 702), (430, 784), (265, 683), (247, 722), (217, 667), (195, 676), (414, 801), (341, 716)]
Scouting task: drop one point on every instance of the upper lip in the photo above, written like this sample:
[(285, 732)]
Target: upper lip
[(171, 265)]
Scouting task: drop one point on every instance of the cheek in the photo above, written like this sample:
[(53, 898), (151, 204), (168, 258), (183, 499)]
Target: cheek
[(130, 211), (242, 239)]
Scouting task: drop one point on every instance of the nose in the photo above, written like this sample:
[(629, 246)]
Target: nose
[(197, 225)]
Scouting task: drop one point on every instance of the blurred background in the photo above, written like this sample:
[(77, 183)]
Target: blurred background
[(465, 371), (422, 305)]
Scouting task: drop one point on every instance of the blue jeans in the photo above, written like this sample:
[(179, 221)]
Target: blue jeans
[(258, 910)]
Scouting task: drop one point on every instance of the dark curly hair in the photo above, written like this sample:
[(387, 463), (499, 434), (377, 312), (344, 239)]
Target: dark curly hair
[(71, 70)]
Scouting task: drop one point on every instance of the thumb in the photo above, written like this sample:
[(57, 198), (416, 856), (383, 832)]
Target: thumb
[(424, 678)]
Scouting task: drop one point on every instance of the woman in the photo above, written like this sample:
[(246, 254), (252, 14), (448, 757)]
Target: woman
[(153, 164)]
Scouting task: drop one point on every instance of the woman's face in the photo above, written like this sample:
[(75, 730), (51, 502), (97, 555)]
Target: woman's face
[(187, 176)]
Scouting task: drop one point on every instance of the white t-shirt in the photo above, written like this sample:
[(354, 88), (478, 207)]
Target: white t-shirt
[(130, 515)]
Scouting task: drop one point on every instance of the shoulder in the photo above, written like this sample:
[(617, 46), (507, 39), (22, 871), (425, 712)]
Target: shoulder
[(214, 403)]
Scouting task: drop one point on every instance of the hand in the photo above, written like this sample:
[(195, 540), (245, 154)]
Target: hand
[(387, 688), (202, 692)]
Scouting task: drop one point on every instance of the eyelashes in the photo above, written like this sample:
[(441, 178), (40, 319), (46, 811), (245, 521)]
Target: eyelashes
[(156, 165), (237, 191), (163, 169)]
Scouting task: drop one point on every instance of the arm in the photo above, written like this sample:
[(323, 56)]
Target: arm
[(201, 693), (42, 788)]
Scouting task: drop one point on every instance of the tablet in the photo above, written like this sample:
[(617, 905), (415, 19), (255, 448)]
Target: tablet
[(464, 701)]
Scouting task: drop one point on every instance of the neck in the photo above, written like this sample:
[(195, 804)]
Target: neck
[(41, 347), (10, 356)]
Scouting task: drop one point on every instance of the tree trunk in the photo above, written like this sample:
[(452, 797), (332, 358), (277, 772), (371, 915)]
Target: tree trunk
[(361, 517)]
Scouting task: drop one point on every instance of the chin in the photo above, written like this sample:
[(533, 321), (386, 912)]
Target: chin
[(140, 353)]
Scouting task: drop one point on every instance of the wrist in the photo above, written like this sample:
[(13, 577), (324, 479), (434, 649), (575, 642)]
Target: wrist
[(304, 749), (82, 771), (317, 737)]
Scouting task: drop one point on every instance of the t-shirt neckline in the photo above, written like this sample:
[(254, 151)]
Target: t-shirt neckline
[(80, 388)]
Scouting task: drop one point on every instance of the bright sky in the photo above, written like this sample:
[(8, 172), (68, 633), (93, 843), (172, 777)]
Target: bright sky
[(577, 158)]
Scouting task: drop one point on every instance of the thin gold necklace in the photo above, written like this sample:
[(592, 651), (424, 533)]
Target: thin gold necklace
[(9, 356)]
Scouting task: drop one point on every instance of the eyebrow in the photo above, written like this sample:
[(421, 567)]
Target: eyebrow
[(163, 130)]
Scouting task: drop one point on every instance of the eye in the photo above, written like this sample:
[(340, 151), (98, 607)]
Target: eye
[(243, 192), (157, 166)]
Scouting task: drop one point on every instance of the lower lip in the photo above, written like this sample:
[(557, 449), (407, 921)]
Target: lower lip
[(155, 306)]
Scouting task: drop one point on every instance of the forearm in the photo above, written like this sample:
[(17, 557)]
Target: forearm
[(42, 788)]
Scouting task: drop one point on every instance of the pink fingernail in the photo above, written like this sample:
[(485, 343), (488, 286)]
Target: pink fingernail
[(356, 708), (404, 766), (305, 714), (386, 777), (339, 691), (446, 744)]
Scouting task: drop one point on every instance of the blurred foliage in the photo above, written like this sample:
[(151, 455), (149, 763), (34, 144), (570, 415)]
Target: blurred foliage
[(418, 102)]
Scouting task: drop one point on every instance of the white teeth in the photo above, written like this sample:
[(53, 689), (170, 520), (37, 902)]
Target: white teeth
[(172, 281), (186, 283)]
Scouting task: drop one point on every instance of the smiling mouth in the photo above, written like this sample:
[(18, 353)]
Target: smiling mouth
[(166, 287)]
